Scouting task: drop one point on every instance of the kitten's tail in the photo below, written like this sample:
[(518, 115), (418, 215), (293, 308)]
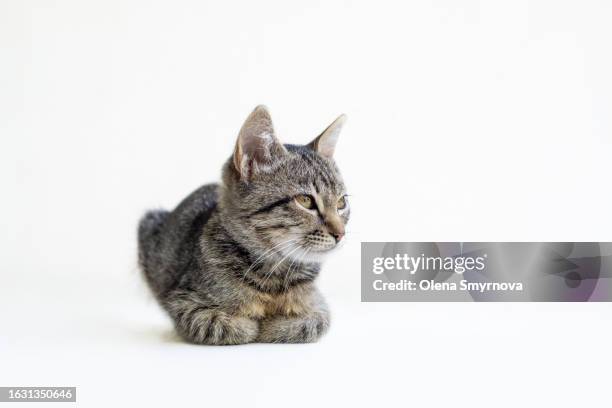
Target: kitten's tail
[(149, 256)]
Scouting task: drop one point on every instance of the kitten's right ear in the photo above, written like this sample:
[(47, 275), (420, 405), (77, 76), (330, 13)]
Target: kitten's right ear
[(257, 145)]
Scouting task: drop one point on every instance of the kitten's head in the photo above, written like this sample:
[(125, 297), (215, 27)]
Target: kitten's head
[(286, 199)]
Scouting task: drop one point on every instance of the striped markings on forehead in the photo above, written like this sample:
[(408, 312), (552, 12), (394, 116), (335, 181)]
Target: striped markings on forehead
[(325, 183), (322, 173)]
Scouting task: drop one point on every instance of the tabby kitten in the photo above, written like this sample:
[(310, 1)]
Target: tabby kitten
[(235, 263)]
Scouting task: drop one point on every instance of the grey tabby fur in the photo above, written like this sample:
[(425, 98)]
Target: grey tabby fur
[(235, 263)]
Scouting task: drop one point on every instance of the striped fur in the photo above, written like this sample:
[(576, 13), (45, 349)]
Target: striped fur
[(236, 262)]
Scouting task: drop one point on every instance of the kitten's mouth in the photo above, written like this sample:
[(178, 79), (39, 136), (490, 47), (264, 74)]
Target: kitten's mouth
[(304, 253), (325, 250), (305, 249), (317, 253)]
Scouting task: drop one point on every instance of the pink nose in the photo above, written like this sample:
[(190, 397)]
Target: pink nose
[(337, 235)]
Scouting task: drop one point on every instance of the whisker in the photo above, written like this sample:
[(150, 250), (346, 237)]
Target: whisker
[(290, 272), (269, 274), (268, 253)]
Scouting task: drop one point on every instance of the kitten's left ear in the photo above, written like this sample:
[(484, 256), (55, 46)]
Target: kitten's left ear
[(325, 143)]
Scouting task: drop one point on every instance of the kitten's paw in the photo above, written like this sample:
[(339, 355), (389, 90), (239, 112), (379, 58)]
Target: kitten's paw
[(293, 329), (219, 328)]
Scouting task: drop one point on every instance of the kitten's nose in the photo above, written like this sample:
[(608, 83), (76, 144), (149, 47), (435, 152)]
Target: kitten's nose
[(337, 235), (335, 227)]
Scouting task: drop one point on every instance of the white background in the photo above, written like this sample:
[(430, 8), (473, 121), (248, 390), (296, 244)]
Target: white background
[(468, 120)]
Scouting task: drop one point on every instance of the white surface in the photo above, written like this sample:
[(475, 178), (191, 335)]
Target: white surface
[(467, 121)]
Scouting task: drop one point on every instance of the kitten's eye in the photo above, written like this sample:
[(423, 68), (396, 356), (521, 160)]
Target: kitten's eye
[(305, 201), (341, 203)]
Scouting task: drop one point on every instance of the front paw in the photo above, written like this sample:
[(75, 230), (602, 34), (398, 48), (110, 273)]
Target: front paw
[(293, 329), (218, 328)]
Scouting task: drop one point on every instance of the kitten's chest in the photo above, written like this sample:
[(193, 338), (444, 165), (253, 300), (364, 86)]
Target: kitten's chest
[(294, 302)]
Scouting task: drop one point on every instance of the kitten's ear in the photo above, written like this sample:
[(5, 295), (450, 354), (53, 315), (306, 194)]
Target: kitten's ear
[(325, 143), (257, 146)]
